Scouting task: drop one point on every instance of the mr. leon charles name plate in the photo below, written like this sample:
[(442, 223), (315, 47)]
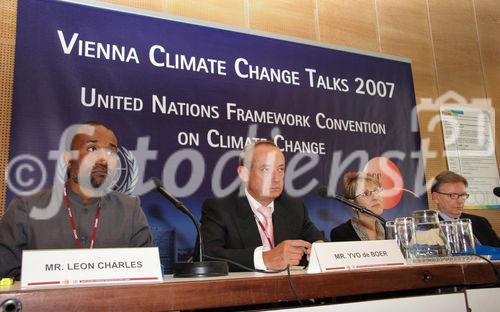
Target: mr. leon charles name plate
[(90, 266)]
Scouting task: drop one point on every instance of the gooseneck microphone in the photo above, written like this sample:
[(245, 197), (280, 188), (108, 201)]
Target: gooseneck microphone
[(192, 269), (496, 191), (179, 205), (323, 192)]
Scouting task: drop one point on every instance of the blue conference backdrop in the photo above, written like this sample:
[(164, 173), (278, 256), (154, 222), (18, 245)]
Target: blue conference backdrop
[(185, 97)]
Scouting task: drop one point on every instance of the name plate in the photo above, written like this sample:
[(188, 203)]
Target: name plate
[(329, 257), (61, 267)]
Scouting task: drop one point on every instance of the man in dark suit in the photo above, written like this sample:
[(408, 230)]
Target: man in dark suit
[(261, 227), (449, 193)]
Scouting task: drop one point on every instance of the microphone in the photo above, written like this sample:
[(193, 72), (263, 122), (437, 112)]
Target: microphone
[(323, 192), (177, 203), (496, 191), (194, 269)]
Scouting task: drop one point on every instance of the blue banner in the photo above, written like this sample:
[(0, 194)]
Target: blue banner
[(184, 98)]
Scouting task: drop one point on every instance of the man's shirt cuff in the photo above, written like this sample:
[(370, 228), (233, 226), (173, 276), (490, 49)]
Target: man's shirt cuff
[(258, 260)]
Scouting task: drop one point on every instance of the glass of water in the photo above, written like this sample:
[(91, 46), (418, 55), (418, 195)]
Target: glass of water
[(465, 237), (430, 240), (449, 229), (405, 231), (390, 230)]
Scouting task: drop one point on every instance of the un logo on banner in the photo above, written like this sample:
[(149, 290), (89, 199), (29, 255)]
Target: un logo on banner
[(125, 177), (127, 173)]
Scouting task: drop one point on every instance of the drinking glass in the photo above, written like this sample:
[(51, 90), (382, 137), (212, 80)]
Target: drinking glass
[(430, 240), (449, 229), (405, 229), (390, 230), (465, 237)]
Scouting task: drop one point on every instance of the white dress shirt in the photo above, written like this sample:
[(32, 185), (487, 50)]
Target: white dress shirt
[(258, 260)]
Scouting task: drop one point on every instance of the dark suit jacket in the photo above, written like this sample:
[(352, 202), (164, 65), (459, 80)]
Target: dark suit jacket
[(229, 229), (344, 233), (482, 230)]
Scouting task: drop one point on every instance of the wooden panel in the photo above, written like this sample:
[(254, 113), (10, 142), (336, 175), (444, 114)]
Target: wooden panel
[(248, 289), (404, 31), (475, 272), (286, 17), (456, 49), (8, 11), (230, 12), (348, 22), (158, 5), (488, 26), (497, 129), (435, 161), (432, 143)]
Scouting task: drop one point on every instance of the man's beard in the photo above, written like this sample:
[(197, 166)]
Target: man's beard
[(99, 181), (99, 175)]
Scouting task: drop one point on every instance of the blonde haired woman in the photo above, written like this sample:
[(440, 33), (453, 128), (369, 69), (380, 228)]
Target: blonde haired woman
[(364, 190)]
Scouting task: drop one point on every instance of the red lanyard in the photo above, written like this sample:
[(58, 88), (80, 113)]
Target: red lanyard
[(73, 225), (262, 227)]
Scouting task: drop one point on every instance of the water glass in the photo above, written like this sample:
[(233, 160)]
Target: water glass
[(430, 240), (465, 235), (450, 231), (426, 216), (390, 230), (405, 231)]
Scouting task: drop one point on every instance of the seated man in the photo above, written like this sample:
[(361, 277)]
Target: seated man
[(262, 229), (82, 213), (449, 193)]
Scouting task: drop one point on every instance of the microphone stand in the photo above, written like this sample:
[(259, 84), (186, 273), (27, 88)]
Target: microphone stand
[(360, 208), (197, 268)]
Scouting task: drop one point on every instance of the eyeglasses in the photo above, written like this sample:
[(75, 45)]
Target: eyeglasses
[(368, 193), (463, 196)]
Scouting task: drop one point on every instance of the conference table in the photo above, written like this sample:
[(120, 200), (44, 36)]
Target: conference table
[(246, 288)]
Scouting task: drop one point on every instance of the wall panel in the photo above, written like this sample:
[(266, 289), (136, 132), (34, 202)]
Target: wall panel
[(285, 17), (456, 49), (404, 31), (141, 4), (350, 23), (488, 29), (229, 12), (8, 12)]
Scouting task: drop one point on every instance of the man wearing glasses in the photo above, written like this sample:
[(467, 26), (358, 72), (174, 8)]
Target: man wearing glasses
[(449, 193)]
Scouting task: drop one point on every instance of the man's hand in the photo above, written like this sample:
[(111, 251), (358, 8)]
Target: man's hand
[(287, 252), (308, 250)]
